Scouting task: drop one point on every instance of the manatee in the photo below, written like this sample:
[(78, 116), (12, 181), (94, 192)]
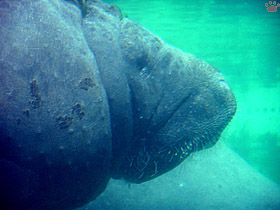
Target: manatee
[(87, 95)]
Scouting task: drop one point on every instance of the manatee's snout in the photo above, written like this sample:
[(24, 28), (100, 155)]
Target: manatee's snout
[(198, 122), (207, 107), (195, 105), (213, 105)]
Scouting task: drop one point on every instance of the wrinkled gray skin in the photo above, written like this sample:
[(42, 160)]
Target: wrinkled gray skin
[(84, 99)]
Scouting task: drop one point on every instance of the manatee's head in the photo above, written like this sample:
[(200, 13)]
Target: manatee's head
[(181, 105)]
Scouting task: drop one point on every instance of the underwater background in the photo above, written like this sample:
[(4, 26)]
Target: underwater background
[(242, 40)]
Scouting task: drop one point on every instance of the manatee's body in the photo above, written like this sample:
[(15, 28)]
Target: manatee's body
[(88, 97)]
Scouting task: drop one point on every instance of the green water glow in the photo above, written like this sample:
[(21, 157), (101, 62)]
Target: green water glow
[(242, 40)]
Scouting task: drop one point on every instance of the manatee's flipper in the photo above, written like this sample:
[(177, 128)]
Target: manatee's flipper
[(55, 131)]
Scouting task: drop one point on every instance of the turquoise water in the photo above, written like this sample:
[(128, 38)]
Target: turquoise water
[(241, 39)]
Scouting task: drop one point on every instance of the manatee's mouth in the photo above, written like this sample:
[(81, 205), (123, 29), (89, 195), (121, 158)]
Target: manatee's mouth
[(147, 161), (152, 161)]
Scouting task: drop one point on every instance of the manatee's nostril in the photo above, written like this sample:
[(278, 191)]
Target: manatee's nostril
[(223, 84)]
